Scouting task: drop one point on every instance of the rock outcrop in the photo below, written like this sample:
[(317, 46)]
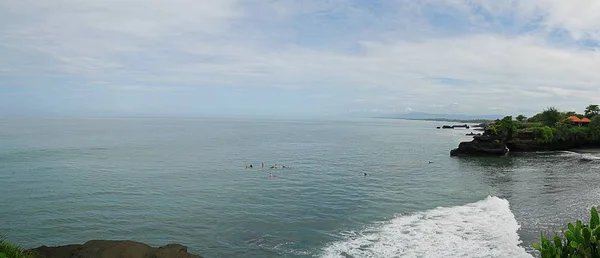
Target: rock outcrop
[(113, 249), (454, 126), (481, 146)]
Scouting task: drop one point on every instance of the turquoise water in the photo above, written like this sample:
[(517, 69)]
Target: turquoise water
[(185, 180)]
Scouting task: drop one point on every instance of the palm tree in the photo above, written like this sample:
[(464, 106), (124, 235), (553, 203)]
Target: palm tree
[(591, 111)]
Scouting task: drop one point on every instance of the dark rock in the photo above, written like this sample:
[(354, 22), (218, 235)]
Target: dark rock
[(463, 126), (528, 145), (520, 145), (113, 249), (480, 146)]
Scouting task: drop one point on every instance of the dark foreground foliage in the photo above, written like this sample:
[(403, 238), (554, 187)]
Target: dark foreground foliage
[(579, 240)]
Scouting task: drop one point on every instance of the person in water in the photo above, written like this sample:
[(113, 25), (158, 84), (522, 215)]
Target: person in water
[(262, 165), (365, 173), (250, 165)]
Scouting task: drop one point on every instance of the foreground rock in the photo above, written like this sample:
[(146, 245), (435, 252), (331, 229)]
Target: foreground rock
[(113, 249)]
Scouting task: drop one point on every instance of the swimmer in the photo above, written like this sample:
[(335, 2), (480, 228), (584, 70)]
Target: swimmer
[(365, 173), (430, 162), (262, 165), (250, 165)]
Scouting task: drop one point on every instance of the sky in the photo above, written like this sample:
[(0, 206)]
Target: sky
[(297, 57)]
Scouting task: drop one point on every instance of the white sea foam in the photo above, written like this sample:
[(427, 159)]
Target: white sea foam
[(589, 157), (562, 153), (482, 229)]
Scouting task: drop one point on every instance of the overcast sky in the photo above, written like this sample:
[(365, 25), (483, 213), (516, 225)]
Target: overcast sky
[(297, 58)]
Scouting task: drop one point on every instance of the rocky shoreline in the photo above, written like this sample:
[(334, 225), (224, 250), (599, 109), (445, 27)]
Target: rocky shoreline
[(487, 145), (112, 249), (481, 146)]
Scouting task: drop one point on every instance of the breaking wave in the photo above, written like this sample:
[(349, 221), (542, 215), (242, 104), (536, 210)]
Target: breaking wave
[(486, 228)]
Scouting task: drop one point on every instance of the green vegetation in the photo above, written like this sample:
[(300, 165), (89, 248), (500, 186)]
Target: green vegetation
[(580, 240), (551, 128), (506, 128), (8, 250), (592, 110), (543, 134), (550, 117)]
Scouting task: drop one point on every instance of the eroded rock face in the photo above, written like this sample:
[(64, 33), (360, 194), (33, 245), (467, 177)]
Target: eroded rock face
[(113, 249), (479, 147)]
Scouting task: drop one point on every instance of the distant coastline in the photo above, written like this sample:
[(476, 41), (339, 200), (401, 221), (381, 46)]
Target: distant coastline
[(468, 121), (472, 121), (454, 118)]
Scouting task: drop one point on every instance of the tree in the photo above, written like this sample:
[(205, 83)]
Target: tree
[(505, 128), (594, 128), (521, 118), (550, 116), (572, 113), (591, 111)]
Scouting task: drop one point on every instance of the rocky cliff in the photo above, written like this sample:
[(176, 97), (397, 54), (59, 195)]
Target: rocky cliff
[(481, 146), (488, 146)]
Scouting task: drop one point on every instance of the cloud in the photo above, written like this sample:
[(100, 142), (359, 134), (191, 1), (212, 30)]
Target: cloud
[(377, 56)]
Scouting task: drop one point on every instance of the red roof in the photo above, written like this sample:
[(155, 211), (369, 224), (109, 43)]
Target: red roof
[(585, 120), (574, 119)]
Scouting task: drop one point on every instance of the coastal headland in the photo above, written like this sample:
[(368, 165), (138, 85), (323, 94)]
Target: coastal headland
[(549, 130)]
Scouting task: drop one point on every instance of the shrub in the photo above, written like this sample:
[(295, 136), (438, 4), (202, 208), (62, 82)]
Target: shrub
[(580, 240), (543, 134), (8, 250), (523, 125)]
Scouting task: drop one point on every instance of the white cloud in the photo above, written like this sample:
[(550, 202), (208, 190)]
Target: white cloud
[(580, 18), (256, 44)]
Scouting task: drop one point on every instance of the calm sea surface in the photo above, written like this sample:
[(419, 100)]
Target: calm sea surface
[(159, 181)]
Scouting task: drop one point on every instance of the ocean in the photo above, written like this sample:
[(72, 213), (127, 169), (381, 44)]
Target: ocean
[(184, 180)]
